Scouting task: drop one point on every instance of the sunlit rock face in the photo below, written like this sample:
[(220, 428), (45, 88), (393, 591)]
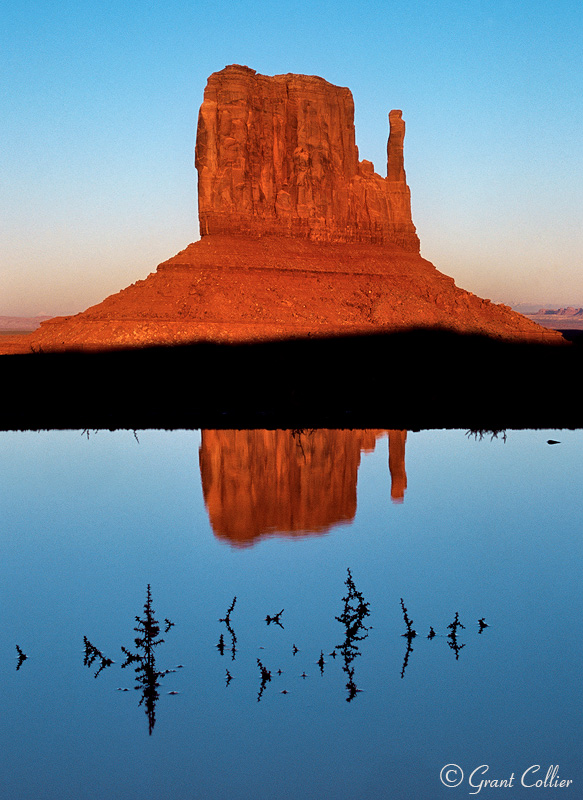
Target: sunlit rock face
[(278, 155), (299, 237), (260, 482)]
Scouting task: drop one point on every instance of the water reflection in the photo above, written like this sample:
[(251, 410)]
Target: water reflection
[(21, 657), (352, 617), (93, 654), (397, 441), (486, 522), (355, 610), (147, 675), (455, 645), (410, 634), (452, 637), (221, 645), (257, 482)]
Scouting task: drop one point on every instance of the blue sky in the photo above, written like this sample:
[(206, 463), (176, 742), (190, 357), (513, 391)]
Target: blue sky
[(100, 103)]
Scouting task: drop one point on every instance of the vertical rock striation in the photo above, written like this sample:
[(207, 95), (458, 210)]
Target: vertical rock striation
[(277, 155)]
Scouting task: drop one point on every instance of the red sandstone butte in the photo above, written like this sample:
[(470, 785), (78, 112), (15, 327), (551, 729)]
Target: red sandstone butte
[(278, 156), (299, 237)]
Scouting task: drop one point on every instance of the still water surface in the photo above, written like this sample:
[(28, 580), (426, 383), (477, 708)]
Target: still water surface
[(285, 568)]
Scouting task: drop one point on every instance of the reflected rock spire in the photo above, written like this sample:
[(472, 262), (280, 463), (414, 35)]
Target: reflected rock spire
[(397, 441), (260, 482)]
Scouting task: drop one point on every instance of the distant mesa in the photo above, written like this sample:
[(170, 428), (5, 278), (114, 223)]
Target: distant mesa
[(21, 324), (299, 237), (567, 318), (569, 311)]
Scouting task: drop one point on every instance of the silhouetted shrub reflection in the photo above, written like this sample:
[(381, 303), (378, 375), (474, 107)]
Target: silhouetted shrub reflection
[(147, 675), (265, 679), (93, 654), (227, 620), (21, 657), (276, 619), (352, 617), (410, 634), (479, 434), (452, 637)]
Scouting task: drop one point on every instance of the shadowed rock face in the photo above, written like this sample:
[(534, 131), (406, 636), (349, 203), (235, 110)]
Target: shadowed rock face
[(278, 155)]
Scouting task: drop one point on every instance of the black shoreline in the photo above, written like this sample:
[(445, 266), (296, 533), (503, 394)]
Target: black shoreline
[(415, 380)]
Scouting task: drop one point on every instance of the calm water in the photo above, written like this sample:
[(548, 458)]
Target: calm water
[(277, 563)]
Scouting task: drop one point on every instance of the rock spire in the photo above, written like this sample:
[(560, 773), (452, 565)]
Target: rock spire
[(277, 155)]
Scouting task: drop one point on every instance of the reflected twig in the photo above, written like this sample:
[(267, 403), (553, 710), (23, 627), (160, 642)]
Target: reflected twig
[(297, 434), (227, 620), (21, 657), (409, 635), (452, 636), (265, 679), (480, 433), (92, 653), (275, 619)]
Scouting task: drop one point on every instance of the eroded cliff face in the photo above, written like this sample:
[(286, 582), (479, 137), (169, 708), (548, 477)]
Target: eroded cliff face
[(278, 155), (305, 239)]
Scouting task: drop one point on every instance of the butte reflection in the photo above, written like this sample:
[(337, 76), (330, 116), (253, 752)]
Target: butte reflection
[(260, 482)]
